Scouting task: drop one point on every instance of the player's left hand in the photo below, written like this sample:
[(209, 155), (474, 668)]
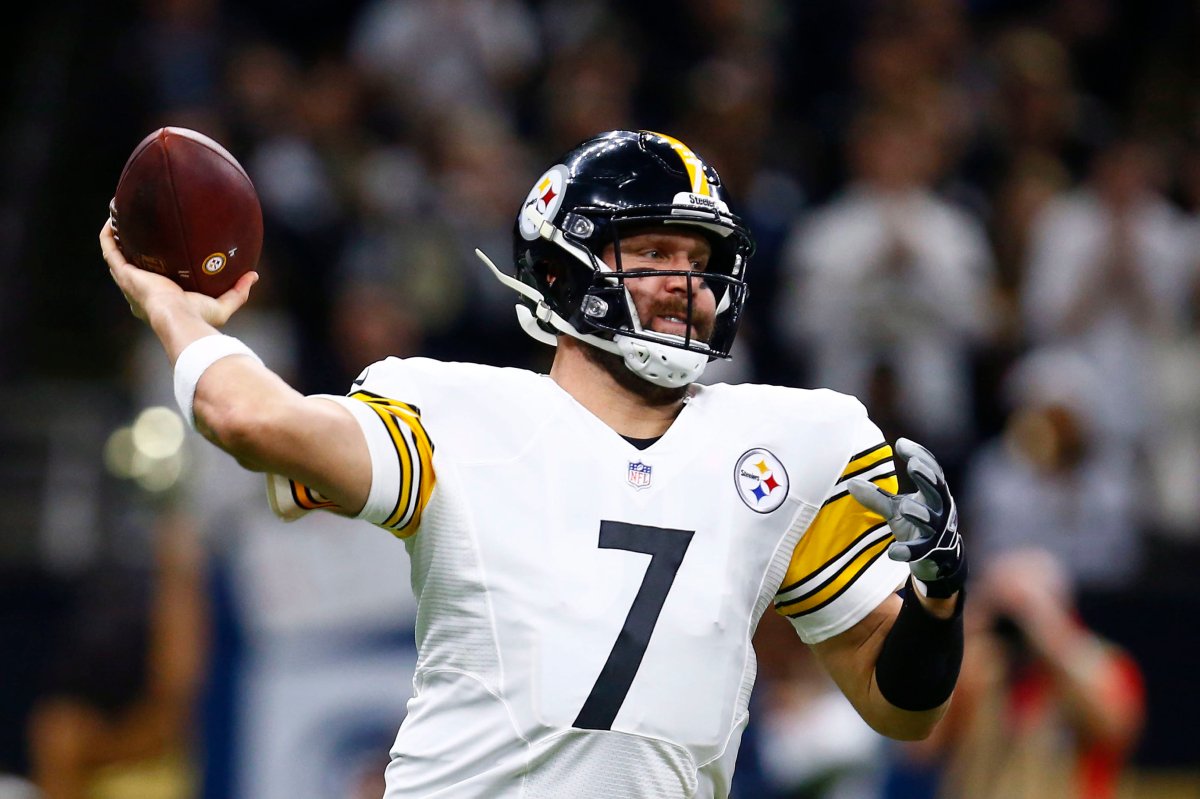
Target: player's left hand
[(144, 291), (924, 522)]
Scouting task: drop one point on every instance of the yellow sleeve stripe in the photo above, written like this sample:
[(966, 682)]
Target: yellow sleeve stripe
[(407, 472), (843, 540), (841, 520), (414, 449), (801, 588), (882, 471), (835, 586), (308, 499), (865, 460)]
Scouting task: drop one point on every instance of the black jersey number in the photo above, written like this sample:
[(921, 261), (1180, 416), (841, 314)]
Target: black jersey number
[(666, 548)]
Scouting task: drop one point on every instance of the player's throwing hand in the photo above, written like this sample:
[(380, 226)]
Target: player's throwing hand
[(924, 522), (144, 289)]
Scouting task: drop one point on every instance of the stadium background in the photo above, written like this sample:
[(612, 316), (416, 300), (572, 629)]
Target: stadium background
[(389, 138)]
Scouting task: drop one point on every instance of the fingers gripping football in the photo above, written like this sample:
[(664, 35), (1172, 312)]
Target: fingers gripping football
[(925, 522)]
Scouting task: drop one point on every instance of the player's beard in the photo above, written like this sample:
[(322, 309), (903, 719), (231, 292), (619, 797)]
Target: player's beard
[(650, 393)]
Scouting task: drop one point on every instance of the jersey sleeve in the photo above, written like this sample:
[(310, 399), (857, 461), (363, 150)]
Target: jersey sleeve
[(402, 473), (839, 570)]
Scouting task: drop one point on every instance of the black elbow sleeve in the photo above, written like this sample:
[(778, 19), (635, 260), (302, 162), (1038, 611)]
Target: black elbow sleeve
[(921, 656)]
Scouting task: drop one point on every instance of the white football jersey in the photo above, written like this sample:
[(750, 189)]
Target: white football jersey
[(585, 607)]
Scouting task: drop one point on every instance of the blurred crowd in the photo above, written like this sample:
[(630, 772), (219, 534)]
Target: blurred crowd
[(979, 216)]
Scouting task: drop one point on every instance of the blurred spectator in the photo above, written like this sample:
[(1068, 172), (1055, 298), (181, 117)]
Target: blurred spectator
[(1034, 107), (1049, 480), (422, 215), (1173, 455), (1107, 276), (479, 165), (1044, 708), (176, 56), (116, 717), (889, 287), (1033, 180), (590, 78), (436, 56)]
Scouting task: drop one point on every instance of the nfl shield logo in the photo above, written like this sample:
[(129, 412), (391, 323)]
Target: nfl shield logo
[(639, 475)]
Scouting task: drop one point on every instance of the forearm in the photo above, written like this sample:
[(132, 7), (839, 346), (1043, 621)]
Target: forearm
[(243, 408), (231, 395), (251, 413), (917, 665), (853, 660), (897, 723), (239, 405)]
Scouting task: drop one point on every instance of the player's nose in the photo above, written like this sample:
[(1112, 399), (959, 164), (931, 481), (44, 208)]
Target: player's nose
[(680, 265)]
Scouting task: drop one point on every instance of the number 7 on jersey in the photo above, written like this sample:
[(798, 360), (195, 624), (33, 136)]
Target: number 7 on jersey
[(666, 548)]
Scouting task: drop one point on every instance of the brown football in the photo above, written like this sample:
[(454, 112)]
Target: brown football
[(186, 209)]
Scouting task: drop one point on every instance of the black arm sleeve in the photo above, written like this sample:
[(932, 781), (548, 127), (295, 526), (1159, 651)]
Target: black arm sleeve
[(921, 656)]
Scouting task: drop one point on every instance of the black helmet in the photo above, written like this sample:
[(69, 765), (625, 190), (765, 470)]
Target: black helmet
[(609, 184)]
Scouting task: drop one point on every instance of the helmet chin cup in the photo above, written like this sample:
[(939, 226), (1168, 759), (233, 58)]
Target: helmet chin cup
[(661, 364)]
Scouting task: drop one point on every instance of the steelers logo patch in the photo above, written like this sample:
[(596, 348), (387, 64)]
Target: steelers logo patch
[(214, 263), (761, 480), (543, 201)]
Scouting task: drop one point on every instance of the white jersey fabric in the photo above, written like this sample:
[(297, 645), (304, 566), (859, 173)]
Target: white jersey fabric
[(585, 607)]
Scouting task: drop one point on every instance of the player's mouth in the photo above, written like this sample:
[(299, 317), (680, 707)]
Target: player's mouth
[(676, 324)]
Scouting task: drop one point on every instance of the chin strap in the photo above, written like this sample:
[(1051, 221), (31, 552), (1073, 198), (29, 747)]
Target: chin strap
[(661, 364)]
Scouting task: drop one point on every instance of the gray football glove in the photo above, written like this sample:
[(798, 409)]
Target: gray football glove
[(924, 522)]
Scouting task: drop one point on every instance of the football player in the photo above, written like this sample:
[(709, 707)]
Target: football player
[(592, 549)]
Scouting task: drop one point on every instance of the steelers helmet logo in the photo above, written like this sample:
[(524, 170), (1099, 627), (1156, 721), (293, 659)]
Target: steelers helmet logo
[(214, 263), (761, 480), (543, 201)]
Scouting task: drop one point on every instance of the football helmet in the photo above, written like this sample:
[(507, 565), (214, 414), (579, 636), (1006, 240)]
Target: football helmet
[(604, 187)]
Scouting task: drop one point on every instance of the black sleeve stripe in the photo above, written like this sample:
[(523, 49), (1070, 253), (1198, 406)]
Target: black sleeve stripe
[(866, 469), (846, 493), (826, 565), (866, 452), (405, 457), (866, 567), (414, 502), (371, 398)]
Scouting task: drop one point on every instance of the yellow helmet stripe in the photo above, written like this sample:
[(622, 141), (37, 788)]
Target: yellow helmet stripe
[(691, 162)]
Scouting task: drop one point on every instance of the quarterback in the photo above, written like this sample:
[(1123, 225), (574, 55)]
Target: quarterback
[(592, 549)]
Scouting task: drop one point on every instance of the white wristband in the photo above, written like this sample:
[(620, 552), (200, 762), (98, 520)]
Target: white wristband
[(195, 360)]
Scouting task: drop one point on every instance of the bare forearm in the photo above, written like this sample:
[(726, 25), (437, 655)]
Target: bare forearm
[(897, 722), (852, 659), (889, 720), (251, 413), (884, 716)]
